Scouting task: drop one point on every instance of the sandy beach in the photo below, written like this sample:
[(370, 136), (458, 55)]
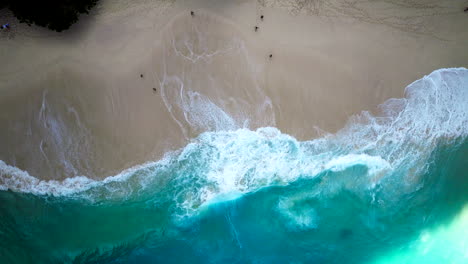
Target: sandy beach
[(75, 103)]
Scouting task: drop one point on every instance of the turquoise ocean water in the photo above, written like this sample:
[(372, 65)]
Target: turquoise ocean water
[(387, 188)]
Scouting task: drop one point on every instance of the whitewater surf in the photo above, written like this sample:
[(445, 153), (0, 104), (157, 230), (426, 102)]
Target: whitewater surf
[(384, 185)]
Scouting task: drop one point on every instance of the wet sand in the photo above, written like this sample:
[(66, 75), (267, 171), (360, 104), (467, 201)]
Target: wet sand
[(74, 103)]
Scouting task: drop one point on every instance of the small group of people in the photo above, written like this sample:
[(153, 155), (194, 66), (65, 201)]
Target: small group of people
[(256, 29)]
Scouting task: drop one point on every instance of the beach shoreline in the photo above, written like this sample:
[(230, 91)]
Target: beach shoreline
[(75, 104)]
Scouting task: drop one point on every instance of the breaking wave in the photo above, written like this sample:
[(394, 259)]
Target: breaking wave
[(243, 196)]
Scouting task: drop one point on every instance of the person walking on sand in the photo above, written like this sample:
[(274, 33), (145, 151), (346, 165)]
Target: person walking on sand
[(6, 26)]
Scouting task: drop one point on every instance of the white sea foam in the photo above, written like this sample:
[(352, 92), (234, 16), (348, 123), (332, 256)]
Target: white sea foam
[(375, 164), (225, 164), (17, 180), (12, 178)]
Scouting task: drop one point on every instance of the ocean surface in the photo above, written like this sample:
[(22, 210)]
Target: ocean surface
[(389, 187)]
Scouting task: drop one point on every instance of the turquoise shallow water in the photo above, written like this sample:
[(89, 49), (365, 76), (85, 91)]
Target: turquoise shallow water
[(387, 188)]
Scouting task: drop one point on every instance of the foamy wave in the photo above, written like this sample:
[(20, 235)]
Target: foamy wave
[(225, 164), (435, 109), (12, 178), (373, 163), (17, 180)]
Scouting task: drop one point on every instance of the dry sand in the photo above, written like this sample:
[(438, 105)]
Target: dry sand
[(74, 103)]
